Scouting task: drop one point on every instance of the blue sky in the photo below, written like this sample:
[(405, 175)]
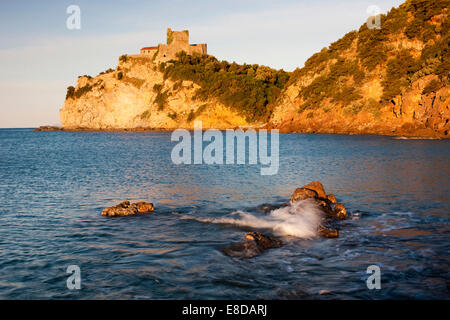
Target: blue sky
[(40, 57)]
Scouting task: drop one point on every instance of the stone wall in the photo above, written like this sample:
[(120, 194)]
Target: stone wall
[(177, 41)]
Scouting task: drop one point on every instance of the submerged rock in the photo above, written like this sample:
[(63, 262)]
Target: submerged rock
[(327, 232), (263, 241), (254, 244), (126, 208)]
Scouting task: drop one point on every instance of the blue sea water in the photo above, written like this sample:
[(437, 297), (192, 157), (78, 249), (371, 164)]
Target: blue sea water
[(54, 185)]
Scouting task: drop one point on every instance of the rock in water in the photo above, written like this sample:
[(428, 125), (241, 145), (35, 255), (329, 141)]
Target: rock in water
[(316, 191), (263, 241), (253, 245), (302, 194), (331, 198), (328, 233), (126, 208), (339, 211), (144, 207), (317, 187)]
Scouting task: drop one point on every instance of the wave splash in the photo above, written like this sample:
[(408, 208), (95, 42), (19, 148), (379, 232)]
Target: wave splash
[(299, 219)]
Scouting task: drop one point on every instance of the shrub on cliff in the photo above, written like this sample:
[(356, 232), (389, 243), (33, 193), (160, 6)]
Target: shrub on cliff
[(248, 89), (77, 93), (398, 73), (433, 86), (70, 92), (123, 58), (331, 85), (161, 99)]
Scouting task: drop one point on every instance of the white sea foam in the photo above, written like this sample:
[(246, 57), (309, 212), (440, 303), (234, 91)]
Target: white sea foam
[(300, 219)]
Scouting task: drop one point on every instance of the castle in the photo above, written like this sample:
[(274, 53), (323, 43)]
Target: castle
[(176, 41)]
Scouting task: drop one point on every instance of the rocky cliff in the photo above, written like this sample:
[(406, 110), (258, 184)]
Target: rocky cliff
[(135, 95), (391, 80)]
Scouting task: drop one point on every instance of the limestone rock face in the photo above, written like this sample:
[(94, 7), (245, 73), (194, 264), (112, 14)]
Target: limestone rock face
[(302, 194), (317, 187), (136, 96)]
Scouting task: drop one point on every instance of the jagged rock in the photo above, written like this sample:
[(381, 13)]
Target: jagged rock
[(316, 191), (253, 245), (325, 206), (339, 211), (317, 187), (302, 194), (125, 208), (331, 198), (144, 207), (327, 232)]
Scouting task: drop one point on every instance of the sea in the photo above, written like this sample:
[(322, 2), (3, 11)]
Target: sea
[(54, 186)]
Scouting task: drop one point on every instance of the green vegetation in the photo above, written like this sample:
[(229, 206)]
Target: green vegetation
[(106, 71), (333, 69), (172, 115), (169, 36), (70, 92), (162, 67), (155, 54), (422, 11), (133, 81), (371, 46), (157, 87), (75, 94), (177, 85), (353, 109), (161, 99), (123, 58), (249, 89), (331, 85), (398, 72), (145, 115), (433, 86), (192, 115)]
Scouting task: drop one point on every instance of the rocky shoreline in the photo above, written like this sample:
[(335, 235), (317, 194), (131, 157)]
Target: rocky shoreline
[(399, 135)]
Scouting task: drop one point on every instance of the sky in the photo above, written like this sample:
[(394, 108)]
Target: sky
[(40, 57)]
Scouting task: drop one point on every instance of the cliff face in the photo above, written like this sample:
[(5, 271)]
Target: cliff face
[(136, 95), (392, 80)]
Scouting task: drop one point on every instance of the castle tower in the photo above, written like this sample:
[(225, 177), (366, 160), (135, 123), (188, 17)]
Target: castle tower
[(177, 41)]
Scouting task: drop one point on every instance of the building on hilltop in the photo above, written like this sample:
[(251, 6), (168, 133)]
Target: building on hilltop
[(177, 41)]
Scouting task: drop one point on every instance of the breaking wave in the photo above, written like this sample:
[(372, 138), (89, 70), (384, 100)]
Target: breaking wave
[(300, 219)]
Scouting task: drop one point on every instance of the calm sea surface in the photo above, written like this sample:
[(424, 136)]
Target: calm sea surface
[(54, 185)]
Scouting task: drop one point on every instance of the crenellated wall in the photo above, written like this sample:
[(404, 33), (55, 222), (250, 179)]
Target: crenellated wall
[(177, 41)]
